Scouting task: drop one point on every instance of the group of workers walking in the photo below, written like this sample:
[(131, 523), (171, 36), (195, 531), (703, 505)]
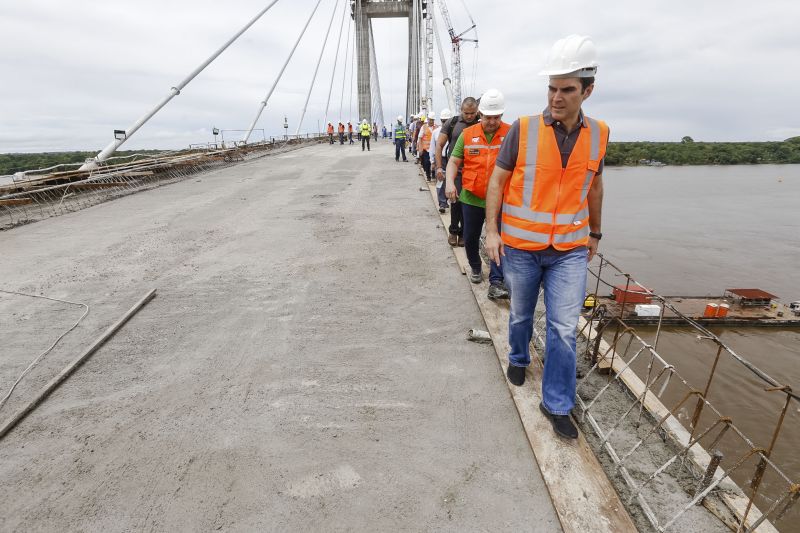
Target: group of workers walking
[(365, 132), (536, 185)]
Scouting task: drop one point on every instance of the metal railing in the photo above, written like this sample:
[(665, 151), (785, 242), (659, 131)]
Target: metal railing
[(44, 193), (709, 448)]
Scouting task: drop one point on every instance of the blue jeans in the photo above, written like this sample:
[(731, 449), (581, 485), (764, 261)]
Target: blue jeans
[(563, 275)]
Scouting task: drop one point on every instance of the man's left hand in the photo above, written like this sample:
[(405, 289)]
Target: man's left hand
[(593, 244)]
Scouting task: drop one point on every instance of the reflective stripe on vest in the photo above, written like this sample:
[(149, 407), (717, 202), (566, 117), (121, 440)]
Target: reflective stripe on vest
[(545, 204), (480, 156), (425, 138), (399, 133)]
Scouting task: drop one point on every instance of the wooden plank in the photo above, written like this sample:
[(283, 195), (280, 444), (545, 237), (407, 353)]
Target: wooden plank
[(16, 201), (582, 495), (731, 494), (97, 185)]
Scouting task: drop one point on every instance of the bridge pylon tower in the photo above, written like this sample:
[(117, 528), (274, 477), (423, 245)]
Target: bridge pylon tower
[(363, 11)]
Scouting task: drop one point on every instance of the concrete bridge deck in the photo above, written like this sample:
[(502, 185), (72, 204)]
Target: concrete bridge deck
[(303, 366)]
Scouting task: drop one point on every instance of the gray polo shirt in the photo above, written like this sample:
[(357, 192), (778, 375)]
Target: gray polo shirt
[(452, 133), (507, 158)]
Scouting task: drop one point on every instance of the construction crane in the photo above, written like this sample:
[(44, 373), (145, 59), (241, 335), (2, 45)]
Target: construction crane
[(456, 39)]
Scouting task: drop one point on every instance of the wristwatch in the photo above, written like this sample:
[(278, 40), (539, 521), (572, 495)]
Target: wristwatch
[(597, 236)]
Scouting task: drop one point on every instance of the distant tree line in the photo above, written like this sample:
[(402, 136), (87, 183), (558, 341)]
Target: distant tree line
[(690, 152), (685, 152), (11, 163)]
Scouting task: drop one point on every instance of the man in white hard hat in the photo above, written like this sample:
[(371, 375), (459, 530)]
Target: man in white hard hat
[(400, 135), (476, 149), (365, 132), (444, 117), (425, 140), (548, 182), (447, 137)]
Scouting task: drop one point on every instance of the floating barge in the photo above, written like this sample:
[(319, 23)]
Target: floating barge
[(734, 308)]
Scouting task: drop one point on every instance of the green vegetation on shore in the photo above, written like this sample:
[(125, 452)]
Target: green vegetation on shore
[(11, 163), (686, 152), (689, 152)]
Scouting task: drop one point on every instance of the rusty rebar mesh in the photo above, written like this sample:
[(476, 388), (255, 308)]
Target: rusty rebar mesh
[(58, 190), (653, 456)]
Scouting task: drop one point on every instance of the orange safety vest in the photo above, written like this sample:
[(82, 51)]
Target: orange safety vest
[(479, 157), (330, 128), (341, 128), (425, 138), (543, 203)]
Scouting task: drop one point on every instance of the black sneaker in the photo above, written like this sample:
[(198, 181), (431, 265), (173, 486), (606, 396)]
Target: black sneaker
[(516, 375), (442, 209), (476, 276), (562, 424), (497, 292)]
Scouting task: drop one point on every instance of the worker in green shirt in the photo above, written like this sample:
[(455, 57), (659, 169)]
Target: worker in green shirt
[(476, 149)]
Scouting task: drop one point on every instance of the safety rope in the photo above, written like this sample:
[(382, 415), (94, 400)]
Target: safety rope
[(39, 357)]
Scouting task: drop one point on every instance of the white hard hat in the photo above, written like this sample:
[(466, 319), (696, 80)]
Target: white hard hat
[(574, 56), (446, 114), (399, 118), (431, 115), (363, 121), (493, 103)]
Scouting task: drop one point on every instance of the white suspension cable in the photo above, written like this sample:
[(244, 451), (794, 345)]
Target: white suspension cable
[(346, 65), (314, 78), (352, 70), (41, 355), (335, 62), (280, 74), (133, 128), (448, 84)]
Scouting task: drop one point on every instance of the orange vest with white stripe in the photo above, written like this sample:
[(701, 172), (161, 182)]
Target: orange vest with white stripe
[(544, 204), (479, 157), (425, 138)]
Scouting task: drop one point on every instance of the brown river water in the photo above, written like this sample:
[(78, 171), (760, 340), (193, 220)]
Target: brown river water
[(698, 231)]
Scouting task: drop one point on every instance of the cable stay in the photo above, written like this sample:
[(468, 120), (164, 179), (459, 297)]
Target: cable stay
[(280, 74), (352, 71), (377, 103), (346, 65), (316, 69), (335, 63), (448, 84), (175, 91)]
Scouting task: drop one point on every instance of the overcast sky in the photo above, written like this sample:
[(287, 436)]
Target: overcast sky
[(75, 70)]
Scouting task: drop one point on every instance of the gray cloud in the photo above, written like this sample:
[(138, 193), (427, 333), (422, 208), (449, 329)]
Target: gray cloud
[(73, 71)]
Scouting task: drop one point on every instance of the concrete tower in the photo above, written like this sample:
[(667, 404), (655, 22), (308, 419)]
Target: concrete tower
[(363, 12)]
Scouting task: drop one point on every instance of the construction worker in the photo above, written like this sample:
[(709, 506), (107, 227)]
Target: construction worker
[(400, 139), (350, 131), (410, 133), (548, 181), (418, 123), (365, 133), (424, 140), (444, 117), (375, 130), (448, 136), (384, 131), (330, 132), (341, 134), (477, 148)]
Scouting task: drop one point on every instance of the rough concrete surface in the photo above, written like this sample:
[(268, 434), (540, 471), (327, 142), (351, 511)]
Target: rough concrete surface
[(303, 366)]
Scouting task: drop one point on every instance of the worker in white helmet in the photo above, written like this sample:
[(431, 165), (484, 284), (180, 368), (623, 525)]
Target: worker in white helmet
[(548, 182), (400, 135), (425, 140), (474, 153), (444, 117), (447, 138), (366, 132)]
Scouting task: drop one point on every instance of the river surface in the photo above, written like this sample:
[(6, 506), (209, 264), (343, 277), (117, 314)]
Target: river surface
[(698, 231)]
